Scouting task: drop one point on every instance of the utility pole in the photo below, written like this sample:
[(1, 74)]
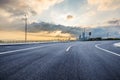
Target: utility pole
[(25, 28)]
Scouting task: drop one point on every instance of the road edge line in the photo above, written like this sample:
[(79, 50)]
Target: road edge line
[(22, 49), (97, 46)]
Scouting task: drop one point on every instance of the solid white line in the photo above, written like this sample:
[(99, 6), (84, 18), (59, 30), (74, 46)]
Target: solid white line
[(68, 48), (106, 50), (23, 49)]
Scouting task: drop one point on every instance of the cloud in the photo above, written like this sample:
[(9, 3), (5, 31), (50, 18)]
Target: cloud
[(89, 14), (37, 27), (41, 5), (12, 11), (105, 5), (43, 26), (20, 7), (44, 35), (69, 17), (114, 22), (60, 30), (87, 18), (15, 7), (64, 18)]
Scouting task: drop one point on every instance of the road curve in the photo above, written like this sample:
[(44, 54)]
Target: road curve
[(61, 61)]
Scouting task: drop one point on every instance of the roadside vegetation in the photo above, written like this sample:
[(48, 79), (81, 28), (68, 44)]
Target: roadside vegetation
[(100, 39)]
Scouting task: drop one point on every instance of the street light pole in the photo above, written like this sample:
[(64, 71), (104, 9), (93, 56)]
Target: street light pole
[(25, 28)]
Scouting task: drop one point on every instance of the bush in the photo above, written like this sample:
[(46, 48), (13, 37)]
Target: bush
[(1, 41), (95, 39)]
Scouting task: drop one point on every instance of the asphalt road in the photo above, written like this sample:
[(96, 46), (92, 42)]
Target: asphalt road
[(98, 60)]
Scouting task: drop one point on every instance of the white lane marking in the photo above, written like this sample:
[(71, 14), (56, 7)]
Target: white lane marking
[(23, 49), (106, 50), (68, 48), (117, 44)]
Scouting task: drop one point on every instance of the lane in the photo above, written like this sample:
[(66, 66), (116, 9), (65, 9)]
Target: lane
[(109, 45), (106, 65), (4, 48), (15, 62), (17, 50), (97, 46), (66, 61)]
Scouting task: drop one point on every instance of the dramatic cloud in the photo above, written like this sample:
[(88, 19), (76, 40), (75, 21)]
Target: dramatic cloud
[(40, 29), (100, 31), (37, 27), (44, 35), (14, 7), (42, 26), (13, 11), (67, 13), (105, 5), (19, 7)]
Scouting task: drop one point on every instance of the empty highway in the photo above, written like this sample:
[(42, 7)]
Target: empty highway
[(92, 60)]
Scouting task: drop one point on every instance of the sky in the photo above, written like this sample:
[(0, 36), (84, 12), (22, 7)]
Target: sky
[(65, 13)]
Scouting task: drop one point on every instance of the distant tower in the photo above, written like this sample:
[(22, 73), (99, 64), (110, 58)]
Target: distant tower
[(83, 34), (79, 37)]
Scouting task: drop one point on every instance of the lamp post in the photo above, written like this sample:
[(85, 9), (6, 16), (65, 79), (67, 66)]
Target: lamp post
[(25, 28)]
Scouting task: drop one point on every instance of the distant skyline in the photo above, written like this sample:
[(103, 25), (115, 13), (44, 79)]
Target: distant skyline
[(72, 13)]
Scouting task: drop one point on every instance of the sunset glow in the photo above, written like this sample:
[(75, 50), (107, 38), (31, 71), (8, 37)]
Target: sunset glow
[(53, 18)]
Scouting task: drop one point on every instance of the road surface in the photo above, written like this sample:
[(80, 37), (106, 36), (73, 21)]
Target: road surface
[(97, 60)]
